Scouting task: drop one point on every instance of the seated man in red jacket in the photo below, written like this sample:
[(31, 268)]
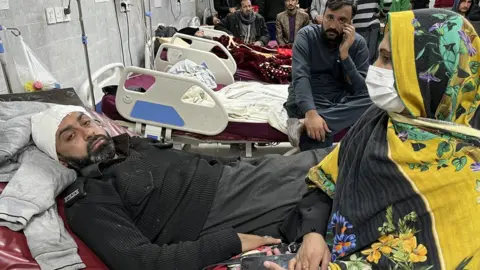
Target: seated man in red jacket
[(139, 204)]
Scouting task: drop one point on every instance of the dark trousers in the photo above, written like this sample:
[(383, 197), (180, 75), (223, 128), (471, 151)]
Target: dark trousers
[(338, 116), (371, 35), (306, 143)]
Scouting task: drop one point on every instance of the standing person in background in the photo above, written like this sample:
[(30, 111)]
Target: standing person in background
[(225, 7), (367, 23), (305, 5), (420, 4), (400, 5), (316, 10), (289, 22), (270, 8)]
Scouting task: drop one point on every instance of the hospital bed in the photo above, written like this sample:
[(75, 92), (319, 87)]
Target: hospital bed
[(181, 45), (198, 51), (161, 113), (14, 251)]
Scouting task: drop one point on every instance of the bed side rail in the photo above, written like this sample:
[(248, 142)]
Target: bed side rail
[(211, 61), (207, 45), (211, 32), (162, 104), (99, 81)]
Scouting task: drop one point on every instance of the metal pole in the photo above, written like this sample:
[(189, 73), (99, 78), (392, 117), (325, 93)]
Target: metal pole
[(87, 58), (3, 62), (152, 43)]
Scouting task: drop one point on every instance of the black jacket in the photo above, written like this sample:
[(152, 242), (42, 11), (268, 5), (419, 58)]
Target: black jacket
[(223, 7), (270, 8), (146, 211), (232, 23)]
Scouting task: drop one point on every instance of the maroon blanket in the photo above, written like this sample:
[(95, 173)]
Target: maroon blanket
[(269, 69)]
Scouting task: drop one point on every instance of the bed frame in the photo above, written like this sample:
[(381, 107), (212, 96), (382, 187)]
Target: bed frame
[(176, 53), (198, 43), (207, 45), (160, 111), (162, 105), (211, 32), (173, 111), (105, 76)]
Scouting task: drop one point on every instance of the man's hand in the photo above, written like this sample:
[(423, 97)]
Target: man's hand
[(348, 39), (258, 43), (251, 242), (319, 19), (313, 252), (315, 126), (232, 9), (199, 33)]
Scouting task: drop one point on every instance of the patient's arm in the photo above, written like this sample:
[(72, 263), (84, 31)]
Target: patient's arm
[(111, 234), (311, 215)]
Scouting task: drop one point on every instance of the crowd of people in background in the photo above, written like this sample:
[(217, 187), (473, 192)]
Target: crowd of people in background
[(331, 53), (284, 18)]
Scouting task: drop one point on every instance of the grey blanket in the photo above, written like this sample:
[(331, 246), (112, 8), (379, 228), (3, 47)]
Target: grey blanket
[(34, 181)]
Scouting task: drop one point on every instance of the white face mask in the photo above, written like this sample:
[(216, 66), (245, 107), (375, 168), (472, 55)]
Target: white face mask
[(381, 88)]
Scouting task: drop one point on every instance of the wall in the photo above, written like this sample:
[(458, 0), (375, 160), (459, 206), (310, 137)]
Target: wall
[(59, 46)]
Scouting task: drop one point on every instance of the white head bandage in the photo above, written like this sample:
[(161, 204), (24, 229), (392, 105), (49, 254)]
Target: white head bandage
[(45, 125)]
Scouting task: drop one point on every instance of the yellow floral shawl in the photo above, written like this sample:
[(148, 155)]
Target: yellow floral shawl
[(406, 190)]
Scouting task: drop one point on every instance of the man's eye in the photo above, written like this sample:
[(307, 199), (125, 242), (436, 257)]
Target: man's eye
[(70, 136), (86, 123)]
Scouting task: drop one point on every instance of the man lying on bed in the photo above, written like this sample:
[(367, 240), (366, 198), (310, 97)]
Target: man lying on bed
[(139, 204), (329, 65)]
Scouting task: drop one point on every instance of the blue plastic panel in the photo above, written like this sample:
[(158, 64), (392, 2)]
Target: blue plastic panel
[(157, 113), (98, 107)]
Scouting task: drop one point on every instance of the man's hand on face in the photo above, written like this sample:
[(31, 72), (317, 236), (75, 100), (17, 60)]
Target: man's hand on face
[(315, 126), (232, 10), (348, 39), (318, 19), (251, 242), (313, 252)]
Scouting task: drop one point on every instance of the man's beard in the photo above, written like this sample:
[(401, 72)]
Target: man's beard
[(103, 152), (337, 40)]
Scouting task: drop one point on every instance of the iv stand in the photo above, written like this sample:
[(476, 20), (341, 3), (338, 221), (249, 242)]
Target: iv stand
[(152, 56), (3, 58), (87, 58), (3, 62)]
